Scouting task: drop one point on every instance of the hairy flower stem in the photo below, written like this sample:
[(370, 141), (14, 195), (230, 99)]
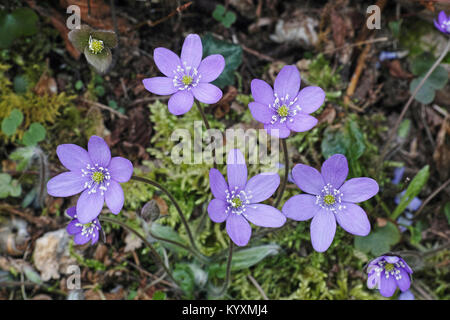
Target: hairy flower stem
[(148, 244), (385, 149), (228, 272), (175, 203), (202, 113), (286, 172)]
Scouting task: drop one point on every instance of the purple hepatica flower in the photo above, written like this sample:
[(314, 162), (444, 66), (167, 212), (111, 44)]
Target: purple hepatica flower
[(407, 295), (330, 199), (388, 272), (238, 201), (83, 233), (187, 77), (95, 174), (443, 23), (285, 109)]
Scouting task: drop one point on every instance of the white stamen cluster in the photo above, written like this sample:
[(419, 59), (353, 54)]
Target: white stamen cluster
[(93, 172), (292, 108), (446, 25), (234, 197), (88, 228), (329, 192), (186, 71), (394, 269)]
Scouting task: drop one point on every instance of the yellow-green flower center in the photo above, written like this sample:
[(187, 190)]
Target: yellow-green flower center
[(96, 46), (283, 111), (329, 199), (236, 203), (98, 177), (389, 267), (187, 80)]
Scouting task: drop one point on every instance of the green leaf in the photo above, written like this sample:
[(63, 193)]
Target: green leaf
[(167, 232), (21, 22), (184, 276), (422, 64), (12, 122), (7, 30), (34, 134), (394, 26), (218, 12), (229, 19), (438, 78), (23, 156), (447, 211), (79, 85), (412, 191), (232, 54), (26, 20), (246, 258), (416, 235), (9, 187), (32, 275), (403, 129), (20, 84), (159, 295), (378, 241), (425, 94), (348, 140), (100, 91)]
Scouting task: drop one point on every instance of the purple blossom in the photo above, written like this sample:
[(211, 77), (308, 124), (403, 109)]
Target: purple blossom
[(443, 23), (93, 173), (237, 201), (285, 109), (83, 233), (186, 77), (329, 199), (407, 295), (388, 272)]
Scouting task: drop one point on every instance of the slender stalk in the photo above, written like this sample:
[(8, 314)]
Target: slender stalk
[(286, 172), (140, 236), (205, 121), (228, 272), (175, 203), (385, 149), (431, 196)]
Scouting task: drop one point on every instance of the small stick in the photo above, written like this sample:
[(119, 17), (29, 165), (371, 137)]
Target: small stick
[(431, 196), (102, 106), (152, 24), (356, 44), (258, 287)]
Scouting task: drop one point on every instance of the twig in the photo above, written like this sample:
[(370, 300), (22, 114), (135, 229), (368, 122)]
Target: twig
[(427, 129), (258, 287), (257, 54), (102, 106), (152, 24), (357, 44), (431, 196)]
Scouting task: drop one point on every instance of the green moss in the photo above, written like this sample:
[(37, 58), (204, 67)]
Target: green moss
[(43, 109)]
